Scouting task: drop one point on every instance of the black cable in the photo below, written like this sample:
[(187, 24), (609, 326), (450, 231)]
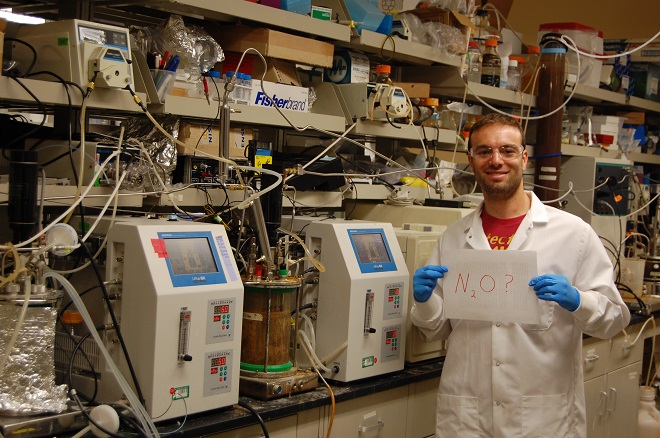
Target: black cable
[(115, 322), (29, 46), (366, 171), (59, 78), (642, 304), (387, 117), (303, 307), (258, 417), (73, 355), (27, 134), (129, 419)]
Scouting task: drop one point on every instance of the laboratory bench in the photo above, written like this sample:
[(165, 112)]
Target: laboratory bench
[(412, 389), (214, 422), (410, 392)]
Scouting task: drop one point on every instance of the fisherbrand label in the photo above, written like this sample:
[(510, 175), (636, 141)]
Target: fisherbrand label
[(289, 104), (286, 97)]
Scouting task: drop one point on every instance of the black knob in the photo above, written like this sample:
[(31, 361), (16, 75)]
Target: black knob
[(335, 369), (187, 357), (372, 330)]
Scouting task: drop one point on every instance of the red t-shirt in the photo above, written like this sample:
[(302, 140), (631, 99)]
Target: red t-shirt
[(500, 232)]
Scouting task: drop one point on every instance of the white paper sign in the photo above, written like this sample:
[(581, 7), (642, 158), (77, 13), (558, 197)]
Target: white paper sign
[(490, 286)]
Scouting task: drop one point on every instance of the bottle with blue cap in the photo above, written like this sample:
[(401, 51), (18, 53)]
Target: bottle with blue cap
[(216, 85)]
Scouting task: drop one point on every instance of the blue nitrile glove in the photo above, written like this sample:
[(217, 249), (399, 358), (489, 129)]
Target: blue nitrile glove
[(557, 288), (425, 280)]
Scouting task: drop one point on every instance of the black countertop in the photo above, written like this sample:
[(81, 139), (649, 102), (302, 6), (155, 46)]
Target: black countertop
[(234, 417)]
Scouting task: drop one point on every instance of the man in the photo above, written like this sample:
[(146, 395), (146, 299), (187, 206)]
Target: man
[(507, 379)]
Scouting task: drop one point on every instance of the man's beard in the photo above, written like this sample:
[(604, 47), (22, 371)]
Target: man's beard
[(500, 191)]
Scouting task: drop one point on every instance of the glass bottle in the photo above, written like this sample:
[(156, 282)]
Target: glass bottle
[(484, 30), (491, 64), (513, 74), (383, 72), (473, 61)]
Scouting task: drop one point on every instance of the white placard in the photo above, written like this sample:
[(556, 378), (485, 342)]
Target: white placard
[(490, 286)]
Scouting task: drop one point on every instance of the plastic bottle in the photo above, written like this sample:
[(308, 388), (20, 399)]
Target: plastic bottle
[(383, 72), (504, 72), (491, 64), (473, 62), (248, 88), (648, 418), (527, 73), (239, 88), (216, 85), (513, 73), (74, 321)]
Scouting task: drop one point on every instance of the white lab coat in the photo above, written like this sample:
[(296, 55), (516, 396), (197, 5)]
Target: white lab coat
[(509, 380)]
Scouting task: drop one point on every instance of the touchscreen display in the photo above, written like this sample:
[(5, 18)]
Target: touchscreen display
[(190, 256), (370, 248)]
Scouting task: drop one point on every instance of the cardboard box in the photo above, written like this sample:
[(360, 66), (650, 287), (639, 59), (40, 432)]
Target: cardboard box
[(274, 44), (279, 71), (632, 118), (286, 97), (238, 141), (415, 89), (204, 138), (190, 133)]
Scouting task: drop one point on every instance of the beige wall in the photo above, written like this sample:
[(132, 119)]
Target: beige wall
[(615, 18)]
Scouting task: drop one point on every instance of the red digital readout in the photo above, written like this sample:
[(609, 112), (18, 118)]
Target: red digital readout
[(218, 361), (221, 309)]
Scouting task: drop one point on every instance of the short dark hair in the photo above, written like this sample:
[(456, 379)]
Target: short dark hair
[(496, 119)]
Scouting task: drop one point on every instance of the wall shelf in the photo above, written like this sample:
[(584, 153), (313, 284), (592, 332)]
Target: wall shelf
[(597, 152), (401, 50), (446, 81), (379, 128), (53, 93), (63, 196), (234, 10), (199, 108)]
